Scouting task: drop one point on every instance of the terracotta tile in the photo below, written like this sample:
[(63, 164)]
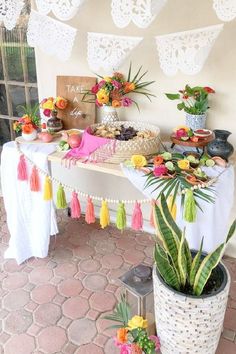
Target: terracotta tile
[(110, 348), (75, 307), (43, 293), (4, 337), (56, 280), (80, 275), (83, 251), (100, 340), (18, 321), (40, 275), (64, 322), (3, 313), (95, 282), (58, 299), (11, 266), (134, 257), (92, 314), (126, 243), (69, 348), (60, 255), (70, 287), (23, 343), (31, 306), (82, 331), (232, 292), (89, 266), (228, 334), (105, 246), (46, 343), (102, 301), (33, 330), (230, 319), (66, 270), (86, 293), (47, 314), (112, 261), (104, 271), (226, 347), (16, 299), (111, 288), (89, 349)]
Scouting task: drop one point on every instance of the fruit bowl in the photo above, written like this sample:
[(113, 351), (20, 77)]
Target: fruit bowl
[(202, 133)]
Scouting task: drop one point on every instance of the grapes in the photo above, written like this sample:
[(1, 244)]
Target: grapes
[(126, 133)]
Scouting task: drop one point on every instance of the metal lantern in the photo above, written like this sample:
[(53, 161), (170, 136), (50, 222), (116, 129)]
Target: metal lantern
[(138, 286)]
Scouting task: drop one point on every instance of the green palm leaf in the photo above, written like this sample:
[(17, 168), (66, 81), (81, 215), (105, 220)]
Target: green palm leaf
[(121, 313)]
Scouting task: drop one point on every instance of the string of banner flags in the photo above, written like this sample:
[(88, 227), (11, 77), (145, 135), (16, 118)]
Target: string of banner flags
[(182, 51)]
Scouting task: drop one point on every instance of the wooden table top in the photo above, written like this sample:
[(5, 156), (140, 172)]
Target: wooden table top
[(200, 143)]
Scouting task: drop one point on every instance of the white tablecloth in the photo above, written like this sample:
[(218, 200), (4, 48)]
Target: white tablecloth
[(30, 219), (213, 222)]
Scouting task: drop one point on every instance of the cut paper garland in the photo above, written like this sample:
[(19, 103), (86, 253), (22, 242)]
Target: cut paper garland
[(141, 12), (186, 51), (51, 36), (108, 51), (64, 10), (10, 11), (225, 9)]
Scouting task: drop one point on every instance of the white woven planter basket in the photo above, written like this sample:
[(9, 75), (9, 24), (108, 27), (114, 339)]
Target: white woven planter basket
[(188, 325), (125, 149)]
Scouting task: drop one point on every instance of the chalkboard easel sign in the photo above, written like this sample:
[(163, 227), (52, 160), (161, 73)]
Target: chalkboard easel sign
[(77, 114)]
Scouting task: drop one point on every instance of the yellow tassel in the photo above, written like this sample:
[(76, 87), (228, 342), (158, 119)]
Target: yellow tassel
[(47, 193), (104, 215), (172, 207)]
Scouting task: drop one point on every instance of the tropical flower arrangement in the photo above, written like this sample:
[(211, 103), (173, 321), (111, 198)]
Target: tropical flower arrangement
[(132, 336), (51, 104), (29, 122), (194, 100), (114, 90)]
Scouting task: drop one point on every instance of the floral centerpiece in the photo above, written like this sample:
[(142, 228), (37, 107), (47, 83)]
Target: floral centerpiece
[(50, 107), (29, 123), (194, 101), (114, 91), (132, 336)]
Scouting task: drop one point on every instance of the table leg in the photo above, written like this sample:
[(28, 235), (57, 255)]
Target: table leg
[(172, 145)]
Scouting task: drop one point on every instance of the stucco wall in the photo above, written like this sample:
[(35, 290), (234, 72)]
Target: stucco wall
[(219, 72)]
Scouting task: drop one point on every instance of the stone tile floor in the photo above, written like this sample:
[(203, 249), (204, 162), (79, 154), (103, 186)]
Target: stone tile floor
[(56, 304)]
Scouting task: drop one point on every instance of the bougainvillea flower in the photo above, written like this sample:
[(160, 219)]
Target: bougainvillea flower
[(160, 170)]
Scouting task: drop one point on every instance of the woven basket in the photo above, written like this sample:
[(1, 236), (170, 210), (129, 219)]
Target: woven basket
[(125, 149)]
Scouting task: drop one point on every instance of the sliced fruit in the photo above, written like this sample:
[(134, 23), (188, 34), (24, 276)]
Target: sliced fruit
[(210, 163), (166, 156), (194, 139), (184, 138), (170, 166)]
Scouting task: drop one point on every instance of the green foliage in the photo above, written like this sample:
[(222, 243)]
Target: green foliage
[(121, 313), (186, 273)]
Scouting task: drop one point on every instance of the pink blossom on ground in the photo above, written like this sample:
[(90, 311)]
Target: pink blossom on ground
[(160, 170), (127, 102)]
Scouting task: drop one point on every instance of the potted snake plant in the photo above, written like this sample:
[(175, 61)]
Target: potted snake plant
[(190, 289)]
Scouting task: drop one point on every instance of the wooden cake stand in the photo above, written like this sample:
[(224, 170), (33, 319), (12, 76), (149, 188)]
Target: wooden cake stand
[(201, 143)]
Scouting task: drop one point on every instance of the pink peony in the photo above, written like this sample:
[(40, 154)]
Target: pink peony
[(160, 170), (47, 112), (101, 84), (127, 102), (116, 84), (95, 89), (156, 340)]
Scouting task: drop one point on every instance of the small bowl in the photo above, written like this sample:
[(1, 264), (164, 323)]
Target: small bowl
[(202, 133), (193, 153)]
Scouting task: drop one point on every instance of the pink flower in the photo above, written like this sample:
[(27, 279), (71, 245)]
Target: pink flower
[(98, 104), (127, 102), (101, 84), (160, 170), (180, 133), (95, 89), (116, 84), (47, 112), (125, 349), (156, 340)]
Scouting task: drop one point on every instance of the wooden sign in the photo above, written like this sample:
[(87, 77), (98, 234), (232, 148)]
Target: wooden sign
[(77, 114)]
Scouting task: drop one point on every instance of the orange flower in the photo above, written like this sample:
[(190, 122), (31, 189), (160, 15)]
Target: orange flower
[(27, 119), (129, 86), (116, 103), (61, 103), (122, 335), (27, 128), (158, 160)]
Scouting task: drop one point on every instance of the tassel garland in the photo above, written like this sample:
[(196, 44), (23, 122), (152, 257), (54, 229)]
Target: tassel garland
[(152, 220), (104, 215), (22, 169), (61, 198), (34, 180), (47, 193), (89, 214), (172, 207), (137, 217), (121, 217), (75, 206), (190, 209)]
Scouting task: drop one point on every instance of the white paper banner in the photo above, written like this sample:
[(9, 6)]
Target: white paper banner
[(141, 12), (51, 36), (64, 10), (10, 11), (225, 9), (186, 51), (108, 51)]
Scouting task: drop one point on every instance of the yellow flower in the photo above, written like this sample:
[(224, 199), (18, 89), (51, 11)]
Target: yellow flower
[(49, 104), (107, 78), (138, 161), (102, 97), (183, 164), (181, 127), (137, 322)]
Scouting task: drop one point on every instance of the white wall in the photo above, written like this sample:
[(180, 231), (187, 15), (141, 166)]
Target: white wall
[(219, 72)]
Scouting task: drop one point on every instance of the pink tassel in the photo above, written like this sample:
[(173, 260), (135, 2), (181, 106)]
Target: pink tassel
[(34, 180), (89, 215), (137, 217), (22, 169), (152, 223), (75, 206)]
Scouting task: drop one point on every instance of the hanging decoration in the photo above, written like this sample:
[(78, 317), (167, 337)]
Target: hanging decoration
[(64, 10), (141, 12), (108, 51), (225, 9), (10, 11), (186, 51), (51, 36)]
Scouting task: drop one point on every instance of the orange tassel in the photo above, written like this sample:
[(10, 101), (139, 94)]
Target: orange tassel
[(22, 169), (89, 215), (152, 223), (34, 180)]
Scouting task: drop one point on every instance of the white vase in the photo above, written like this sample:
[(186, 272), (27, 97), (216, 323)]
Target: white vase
[(189, 324), (195, 121), (109, 114), (29, 137)]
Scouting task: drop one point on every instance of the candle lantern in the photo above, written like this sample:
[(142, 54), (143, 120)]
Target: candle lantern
[(138, 286)]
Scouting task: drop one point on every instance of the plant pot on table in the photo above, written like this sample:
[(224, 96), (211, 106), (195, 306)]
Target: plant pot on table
[(195, 121), (29, 136), (109, 114)]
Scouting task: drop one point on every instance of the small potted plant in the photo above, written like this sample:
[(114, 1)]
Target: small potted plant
[(190, 289), (29, 123), (194, 101)]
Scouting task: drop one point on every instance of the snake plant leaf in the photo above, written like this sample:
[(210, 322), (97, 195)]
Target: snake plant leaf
[(182, 262), (196, 264), (188, 256), (164, 267), (231, 231), (168, 217), (170, 240)]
